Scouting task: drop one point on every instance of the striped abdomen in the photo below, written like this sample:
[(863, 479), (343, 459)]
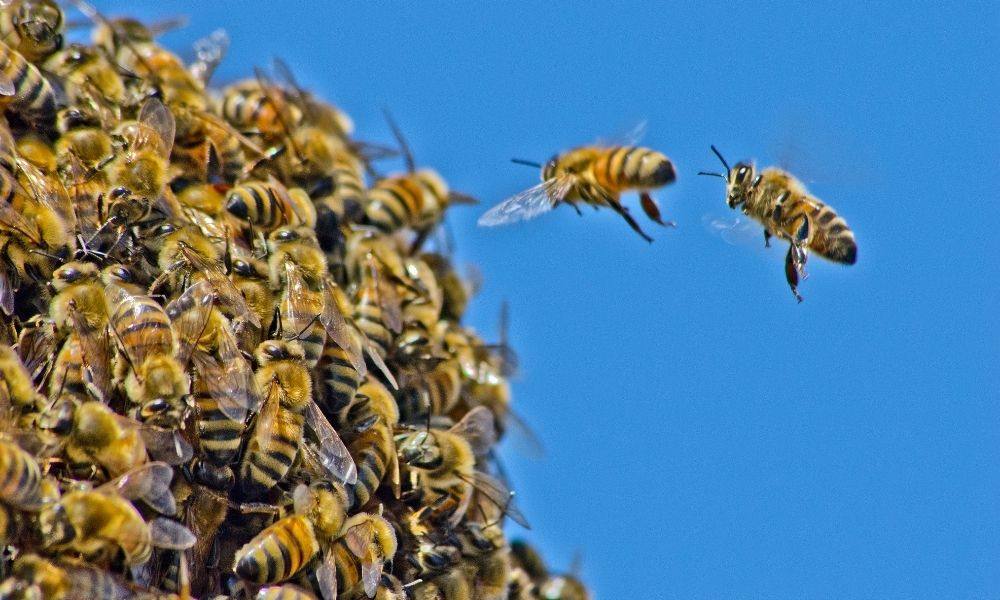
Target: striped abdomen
[(301, 323), (395, 203), (439, 390), (371, 452), (630, 167), (369, 317), (143, 328), (67, 371), (219, 436), (261, 204), (829, 235), (20, 476), (33, 99), (277, 552), (270, 454), (338, 379), (249, 108)]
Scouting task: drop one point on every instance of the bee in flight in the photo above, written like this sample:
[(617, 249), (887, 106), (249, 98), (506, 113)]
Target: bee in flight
[(781, 203), (595, 175)]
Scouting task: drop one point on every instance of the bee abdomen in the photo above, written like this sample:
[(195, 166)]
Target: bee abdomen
[(33, 99), (20, 476), (278, 552), (338, 380), (393, 204), (627, 167), (257, 203), (834, 239), (372, 461), (218, 434)]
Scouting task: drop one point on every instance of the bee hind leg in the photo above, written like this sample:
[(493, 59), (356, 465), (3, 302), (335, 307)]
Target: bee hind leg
[(618, 208), (792, 272), (652, 209)]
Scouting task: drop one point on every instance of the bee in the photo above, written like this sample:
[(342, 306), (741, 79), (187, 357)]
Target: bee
[(414, 200), (269, 205), (372, 416), (278, 431), (16, 387), (781, 203), (35, 577), (282, 549), (596, 175), (82, 151), (443, 463), (539, 582), (434, 387), (33, 28), (378, 313), (367, 543), (79, 306), (250, 276), (24, 91), (123, 277), (156, 379), (90, 78), (102, 522), (256, 105), (20, 477), (142, 167)]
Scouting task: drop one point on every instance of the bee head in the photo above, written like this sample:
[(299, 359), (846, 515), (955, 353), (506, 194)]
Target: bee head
[(739, 180), (549, 170)]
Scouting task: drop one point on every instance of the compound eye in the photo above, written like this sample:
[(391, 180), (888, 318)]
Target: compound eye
[(286, 235), (741, 174), (123, 274)]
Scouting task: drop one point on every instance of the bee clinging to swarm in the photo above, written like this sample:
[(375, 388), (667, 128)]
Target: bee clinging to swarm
[(781, 203), (595, 175)]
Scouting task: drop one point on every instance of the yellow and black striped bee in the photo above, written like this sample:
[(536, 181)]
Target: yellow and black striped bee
[(24, 92), (371, 418), (596, 175), (786, 209), (267, 205)]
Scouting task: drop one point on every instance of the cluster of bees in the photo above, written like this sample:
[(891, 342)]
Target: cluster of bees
[(230, 367)]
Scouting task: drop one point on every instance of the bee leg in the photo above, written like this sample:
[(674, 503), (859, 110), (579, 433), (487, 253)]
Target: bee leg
[(767, 238), (652, 209), (618, 208), (792, 272)]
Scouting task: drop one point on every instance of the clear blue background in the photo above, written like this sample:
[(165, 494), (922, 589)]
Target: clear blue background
[(705, 436)]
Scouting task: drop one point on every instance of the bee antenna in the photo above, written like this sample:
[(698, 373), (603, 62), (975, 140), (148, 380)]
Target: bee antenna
[(530, 163), (713, 174), (398, 134), (719, 154)]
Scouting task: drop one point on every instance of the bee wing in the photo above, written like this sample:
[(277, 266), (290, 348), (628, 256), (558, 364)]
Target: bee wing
[(333, 454), (478, 428), (299, 304), (96, 352), (528, 204), (226, 291), (167, 533), (268, 414), (7, 87), (149, 482), (326, 576), (376, 358), (497, 493), (735, 231), (339, 330), (158, 117), (37, 343), (189, 316), (7, 289), (11, 221), (629, 137), (166, 445), (49, 191), (209, 52), (226, 382), (387, 297)]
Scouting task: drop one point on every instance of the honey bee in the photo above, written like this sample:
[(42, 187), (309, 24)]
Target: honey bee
[(101, 522), (90, 78), (33, 28), (142, 167), (24, 92), (372, 417), (156, 379), (539, 582), (781, 203), (250, 276), (35, 577), (16, 388), (257, 105), (367, 543), (282, 549), (378, 313), (444, 463), (416, 199), (596, 175), (101, 437), (79, 305), (278, 431), (269, 205)]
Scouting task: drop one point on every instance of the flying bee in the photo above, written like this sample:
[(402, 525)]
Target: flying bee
[(282, 549), (596, 175), (33, 28), (24, 91), (781, 203), (278, 431), (372, 417), (269, 205), (101, 522), (444, 462), (143, 164), (417, 199)]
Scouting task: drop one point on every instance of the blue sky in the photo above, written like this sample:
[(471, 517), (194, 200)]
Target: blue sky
[(705, 436)]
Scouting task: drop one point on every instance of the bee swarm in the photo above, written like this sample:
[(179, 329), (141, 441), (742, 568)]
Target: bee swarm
[(230, 366)]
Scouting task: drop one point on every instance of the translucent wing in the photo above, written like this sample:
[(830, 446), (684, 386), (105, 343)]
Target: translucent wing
[(386, 296), (376, 358), (127, 311), (12, 222), (360, 540), (166, 445), (149, 482), (528, 204), (497, 493), (300, 306), (189, 316), (630, 137), (268, 414), (734, 230), (209, 52), (229, 383), (337, 327), (48, 191), (226, 291), (326, 576), (158, 117), (7, 87), (95, 350), (167, 533), (36, 344), (478, 429), (333, 454)]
